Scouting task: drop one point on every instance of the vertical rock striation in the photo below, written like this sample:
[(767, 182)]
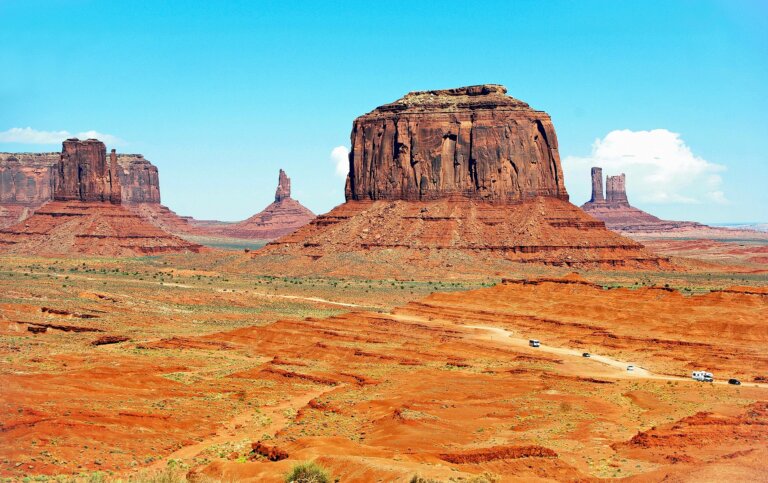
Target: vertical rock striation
[(470, 142), (139, 179), (616, 190), (84, 174), (283, 190), (597, 185)]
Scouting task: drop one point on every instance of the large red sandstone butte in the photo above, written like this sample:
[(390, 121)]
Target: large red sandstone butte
[(280, 218), (86, 216), (475, 142), (441, 177)]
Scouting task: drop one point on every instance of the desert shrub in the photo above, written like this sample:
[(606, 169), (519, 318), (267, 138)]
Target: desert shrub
[(309, 472)]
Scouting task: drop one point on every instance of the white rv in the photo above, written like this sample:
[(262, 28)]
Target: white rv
[(702, 376)]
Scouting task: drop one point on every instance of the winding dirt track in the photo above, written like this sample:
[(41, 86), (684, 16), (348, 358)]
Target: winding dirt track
[(507, 336)]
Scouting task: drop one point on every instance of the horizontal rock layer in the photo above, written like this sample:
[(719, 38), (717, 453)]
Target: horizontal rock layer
[(89, 228), (442, 233), (472, 142)]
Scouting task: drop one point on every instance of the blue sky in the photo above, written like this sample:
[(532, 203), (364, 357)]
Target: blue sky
[(220, 95)]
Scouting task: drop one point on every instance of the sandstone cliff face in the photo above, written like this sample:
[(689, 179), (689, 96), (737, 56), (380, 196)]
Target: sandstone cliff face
[(471, 142), (139, 179), (597, 185), (616, 190), (27, 178), (283, 190), (85, 174)]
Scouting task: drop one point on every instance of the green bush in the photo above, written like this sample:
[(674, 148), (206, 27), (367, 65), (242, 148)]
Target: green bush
[(309, 472)]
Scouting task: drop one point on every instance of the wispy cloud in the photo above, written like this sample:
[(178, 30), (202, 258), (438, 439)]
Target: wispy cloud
[(340, 157), (27, 135), (660, 168)]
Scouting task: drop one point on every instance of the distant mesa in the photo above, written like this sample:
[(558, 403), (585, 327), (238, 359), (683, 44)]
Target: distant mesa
[(86, 215), (285, 215), (452, 179), (614, 208), (29, 180)]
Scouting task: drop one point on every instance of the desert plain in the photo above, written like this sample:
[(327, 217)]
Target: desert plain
[(132, 368)]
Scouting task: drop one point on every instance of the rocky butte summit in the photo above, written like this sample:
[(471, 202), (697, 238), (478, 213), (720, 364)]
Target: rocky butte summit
[(86, 215), (614, 209), (285, 215), (455, 179)]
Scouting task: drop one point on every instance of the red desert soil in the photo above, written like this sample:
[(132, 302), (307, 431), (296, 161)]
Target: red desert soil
[(443, 387)]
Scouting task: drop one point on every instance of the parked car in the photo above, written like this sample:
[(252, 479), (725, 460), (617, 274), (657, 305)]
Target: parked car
[(534, 343), (586, 354), (630, 368), (735, 382)]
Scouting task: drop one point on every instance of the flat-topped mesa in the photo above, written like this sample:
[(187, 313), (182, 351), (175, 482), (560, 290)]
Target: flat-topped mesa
[(283, 190), (616, 190), (139, 179), (85, 174), (470, 142)]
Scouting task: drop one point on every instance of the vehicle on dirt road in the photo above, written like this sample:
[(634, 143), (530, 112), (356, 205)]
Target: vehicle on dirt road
[(734, 382), (702, 376), (586, 354), (534, 343), (630, 368)]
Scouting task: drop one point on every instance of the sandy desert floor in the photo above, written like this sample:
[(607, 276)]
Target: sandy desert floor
[(179, 365)]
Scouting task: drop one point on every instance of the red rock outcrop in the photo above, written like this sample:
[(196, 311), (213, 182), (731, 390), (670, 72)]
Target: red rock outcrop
[(474, 142), (86, 216), (458, 179), (597, 185), (139, 179), (618, 215), (616, 190), (85, 174), (26, 182), (280, 218), (283, 190)]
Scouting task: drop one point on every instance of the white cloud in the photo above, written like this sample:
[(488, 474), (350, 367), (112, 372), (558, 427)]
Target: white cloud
[(27, 135), (107, 139), (340, 157), (660, 168)]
